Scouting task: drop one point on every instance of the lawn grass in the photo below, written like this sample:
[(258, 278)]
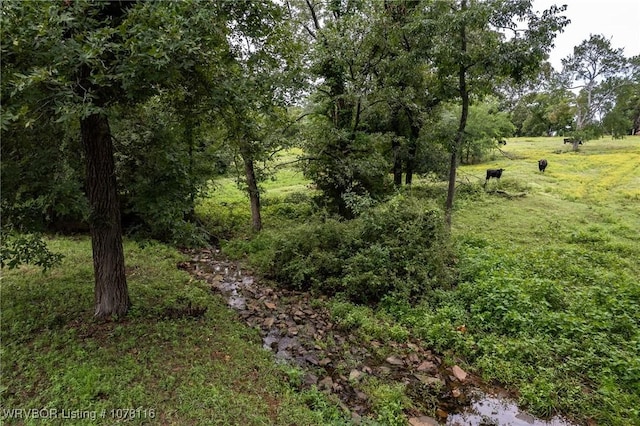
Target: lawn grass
[(548, 291), (159, 365)]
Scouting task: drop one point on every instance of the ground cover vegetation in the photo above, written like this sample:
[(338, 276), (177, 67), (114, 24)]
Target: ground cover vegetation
[(544, 298), (283, 132), (180, 357)]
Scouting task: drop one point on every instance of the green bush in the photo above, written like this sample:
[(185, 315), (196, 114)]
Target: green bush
[(398, 249)]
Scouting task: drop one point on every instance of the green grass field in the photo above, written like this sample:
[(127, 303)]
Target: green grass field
[(548, 293), (154, 367)]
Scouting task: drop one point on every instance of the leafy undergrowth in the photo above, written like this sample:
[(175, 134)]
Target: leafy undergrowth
[(547, 300), (180, 357)]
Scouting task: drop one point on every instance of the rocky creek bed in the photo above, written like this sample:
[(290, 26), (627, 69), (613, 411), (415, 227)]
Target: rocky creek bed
[(299, 330)]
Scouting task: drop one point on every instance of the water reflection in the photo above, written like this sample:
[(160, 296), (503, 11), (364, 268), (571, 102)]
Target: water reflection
[(488, 410)]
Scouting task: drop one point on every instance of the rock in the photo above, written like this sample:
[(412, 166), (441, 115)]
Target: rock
[(456, 393), (268, 322), (427, 366), (526, 418), (311, 359), (441, 413), (355, 375), (428, 380), (384, 370), (270, 305), (459, 373), (423, 421), (310, 379), (394, 360), (326, 383), (324, 361), (361, 395)]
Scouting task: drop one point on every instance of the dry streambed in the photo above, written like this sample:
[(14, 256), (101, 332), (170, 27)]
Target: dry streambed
[(298, 331)]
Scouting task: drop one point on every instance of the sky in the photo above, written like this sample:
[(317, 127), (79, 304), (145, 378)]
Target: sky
[(617, 20)]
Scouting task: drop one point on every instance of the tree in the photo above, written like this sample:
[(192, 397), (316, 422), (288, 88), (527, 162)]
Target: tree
[(76, 60), (622, 116), (262, 80), (486, 126), (593, 68), (481, 44), (345, 157)]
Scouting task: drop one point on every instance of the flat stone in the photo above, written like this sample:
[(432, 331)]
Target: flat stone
[(459, 373), (394, 360), (355, 374), (428, 380), (326, 383), (268, 322), (324, 361), (361, 395), (310, 379), (427, 366), (423, 421), (526, 417)]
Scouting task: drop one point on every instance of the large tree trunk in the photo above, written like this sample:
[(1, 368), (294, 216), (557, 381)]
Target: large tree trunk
[(111, 292), (254, 193)]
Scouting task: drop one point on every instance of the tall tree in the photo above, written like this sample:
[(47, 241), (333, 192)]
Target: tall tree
[(263, 80), (75, 60), (482, 43), (594, 65), (346, 162)]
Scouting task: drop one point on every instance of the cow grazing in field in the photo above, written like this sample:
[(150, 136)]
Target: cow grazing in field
[(542, 164), (493, 173), (573, 141), (502, 142)]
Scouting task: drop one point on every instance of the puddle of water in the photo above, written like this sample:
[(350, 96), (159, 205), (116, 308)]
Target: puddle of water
[(491, 410)]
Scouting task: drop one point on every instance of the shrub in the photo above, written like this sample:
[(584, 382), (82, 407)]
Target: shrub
[(397, 249)]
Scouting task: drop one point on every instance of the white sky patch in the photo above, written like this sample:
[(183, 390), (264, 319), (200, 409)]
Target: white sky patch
[(617, 20)]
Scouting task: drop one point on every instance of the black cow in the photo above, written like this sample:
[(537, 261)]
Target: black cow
[(542, 164), (502, 142), (571, 140), (495, 173)]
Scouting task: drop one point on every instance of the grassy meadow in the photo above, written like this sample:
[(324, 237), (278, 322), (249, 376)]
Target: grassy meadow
[(550, 287), (160, 365), (546, 304), (548, 293)]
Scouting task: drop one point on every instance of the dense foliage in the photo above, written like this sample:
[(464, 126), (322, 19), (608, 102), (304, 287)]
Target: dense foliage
[(396, 250)]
